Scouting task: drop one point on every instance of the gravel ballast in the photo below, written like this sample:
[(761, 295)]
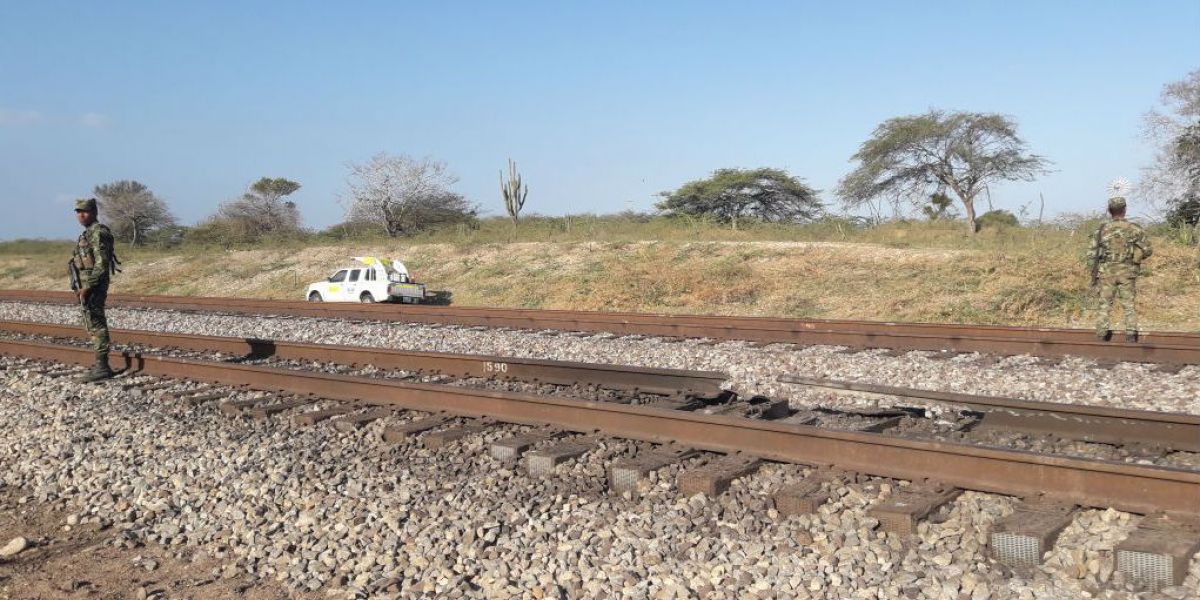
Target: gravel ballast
[(752, 370), (317, 508)]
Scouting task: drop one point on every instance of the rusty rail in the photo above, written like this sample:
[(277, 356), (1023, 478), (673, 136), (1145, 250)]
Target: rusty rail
[(1155, 347), (1177, 431), (1135, 488), (655, 381)]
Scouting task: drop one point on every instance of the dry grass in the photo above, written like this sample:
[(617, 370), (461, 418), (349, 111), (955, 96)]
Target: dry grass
[(1032, 277)]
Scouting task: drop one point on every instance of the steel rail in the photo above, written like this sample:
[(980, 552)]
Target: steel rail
[(1134, 488), (1155, 347), (651, 380), (1176, 431)]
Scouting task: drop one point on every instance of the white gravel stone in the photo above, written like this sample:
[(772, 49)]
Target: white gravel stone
[(14, 547)]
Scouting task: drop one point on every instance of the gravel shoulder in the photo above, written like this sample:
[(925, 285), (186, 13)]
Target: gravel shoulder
[(72, 557)]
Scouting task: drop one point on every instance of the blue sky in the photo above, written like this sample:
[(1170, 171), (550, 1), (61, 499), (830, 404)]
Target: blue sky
[(602, 104)]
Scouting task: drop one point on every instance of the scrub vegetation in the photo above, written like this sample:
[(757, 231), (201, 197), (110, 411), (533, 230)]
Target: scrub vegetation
[(831, 268)]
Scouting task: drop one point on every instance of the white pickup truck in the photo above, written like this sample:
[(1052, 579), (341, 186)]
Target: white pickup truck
[(372, 280)]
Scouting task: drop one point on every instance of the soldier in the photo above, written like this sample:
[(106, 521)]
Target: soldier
[(1115, 257), (96, 261)]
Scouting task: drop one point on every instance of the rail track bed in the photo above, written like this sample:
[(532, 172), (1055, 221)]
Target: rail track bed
[(1047, 428), (761, 490), (712, 448), (1171, 348)]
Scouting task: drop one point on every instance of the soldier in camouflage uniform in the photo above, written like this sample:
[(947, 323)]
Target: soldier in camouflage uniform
[(1115, 257), (96, 260)]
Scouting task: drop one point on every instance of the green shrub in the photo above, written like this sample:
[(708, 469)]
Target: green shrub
[(998, 219)]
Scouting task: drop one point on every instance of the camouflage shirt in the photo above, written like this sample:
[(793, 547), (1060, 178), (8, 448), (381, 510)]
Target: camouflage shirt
[(1118, 248), (94, 255)]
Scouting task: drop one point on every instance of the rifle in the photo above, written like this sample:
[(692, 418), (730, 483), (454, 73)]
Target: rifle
[(1098, 257), (76, 284)]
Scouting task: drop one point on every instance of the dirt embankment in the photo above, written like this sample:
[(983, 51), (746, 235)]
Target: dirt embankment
[(798, 279)]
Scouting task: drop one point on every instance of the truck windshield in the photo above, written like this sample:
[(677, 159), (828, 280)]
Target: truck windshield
[(339, 276)]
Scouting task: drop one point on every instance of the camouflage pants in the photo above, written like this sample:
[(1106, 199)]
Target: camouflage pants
[(1122, 290), (94, 320)]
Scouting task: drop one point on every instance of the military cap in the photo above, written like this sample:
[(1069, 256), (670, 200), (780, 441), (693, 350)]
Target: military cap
[(85, 204), (1116, 203)]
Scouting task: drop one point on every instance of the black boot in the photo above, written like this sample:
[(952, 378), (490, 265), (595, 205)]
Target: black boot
[(1131, 336), (1104, 334), (100, 370)]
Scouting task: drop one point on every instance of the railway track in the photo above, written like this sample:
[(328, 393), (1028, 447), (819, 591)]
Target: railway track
[(653, 381), (565, 428), (1161, 430), (1154, 347)]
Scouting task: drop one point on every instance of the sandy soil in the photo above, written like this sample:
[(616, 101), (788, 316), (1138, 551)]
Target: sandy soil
[(80, 562)]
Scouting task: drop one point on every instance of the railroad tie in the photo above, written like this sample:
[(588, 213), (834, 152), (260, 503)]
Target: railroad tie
[(169, 394), (1023, 538), (1157, 553), (268, 410), (511, 448), (540, 463), (883, 424), (1169, 368), (237, 408), (730, 409), (444, 437), (943, 354), (313, 417), (60, 373), (800, 499), (360, 420), (398, 434), (627, 475), (769, 409), (148, 386), (901, 512), (714, 478), (672, 403), (198, 399)]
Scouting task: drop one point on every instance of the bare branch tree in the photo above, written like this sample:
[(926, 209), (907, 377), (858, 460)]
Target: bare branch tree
[(908, 158), (131, 210), (1175, 172), (404, 194)]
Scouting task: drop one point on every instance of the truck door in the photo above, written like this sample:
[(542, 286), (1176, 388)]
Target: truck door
[(336, 288), (352, 285)]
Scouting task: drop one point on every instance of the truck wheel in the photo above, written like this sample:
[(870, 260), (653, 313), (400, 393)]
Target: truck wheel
[(314, 297), (366, 298)]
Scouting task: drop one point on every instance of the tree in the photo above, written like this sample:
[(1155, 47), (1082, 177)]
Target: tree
[(514, 192), (730, 195), (939, 207), (1174, 128), (262, 211), (998, 219), (132, 211), (913, 156), (404, 194)]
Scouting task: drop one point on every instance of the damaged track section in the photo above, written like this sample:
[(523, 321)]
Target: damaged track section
[(1175, 431), (1134, 488), (663, 382)]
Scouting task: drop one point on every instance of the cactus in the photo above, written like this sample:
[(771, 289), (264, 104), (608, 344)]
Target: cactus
[(514, 192)]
